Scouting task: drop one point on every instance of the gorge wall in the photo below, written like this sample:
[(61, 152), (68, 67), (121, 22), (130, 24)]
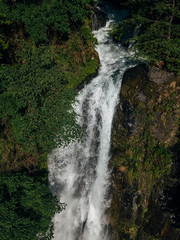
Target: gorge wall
[(145, 149)]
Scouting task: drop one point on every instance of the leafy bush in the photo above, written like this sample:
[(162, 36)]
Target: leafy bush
[(38, 83), (154, 31), (3, 39), (42, 19), (36, 97), (26, 207)]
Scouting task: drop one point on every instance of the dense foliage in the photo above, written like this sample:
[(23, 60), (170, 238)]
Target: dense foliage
[(38, 63), (46, 50), (26, 207), (42, 19), (3, 38), (36, 97), (153, 29)]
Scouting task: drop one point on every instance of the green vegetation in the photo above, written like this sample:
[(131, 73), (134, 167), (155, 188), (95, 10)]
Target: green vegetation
[(143, 156), (149, 150), (3, 39), (153, 28), (26, 207), (145, 153), (43, 19), (129, 230), (46, 51), (36, 98)]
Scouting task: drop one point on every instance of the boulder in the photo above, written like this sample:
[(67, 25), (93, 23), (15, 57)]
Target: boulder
[(159, 76)]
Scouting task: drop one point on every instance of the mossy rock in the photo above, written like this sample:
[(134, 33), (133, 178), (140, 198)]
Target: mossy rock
[(145, 131)]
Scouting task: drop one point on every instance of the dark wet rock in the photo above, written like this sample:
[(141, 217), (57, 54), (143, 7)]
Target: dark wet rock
[(140, 72), (146, 188), (99, 19)]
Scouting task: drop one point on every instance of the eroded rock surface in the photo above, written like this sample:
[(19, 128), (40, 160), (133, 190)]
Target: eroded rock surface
[(145, 157), (99, 19)]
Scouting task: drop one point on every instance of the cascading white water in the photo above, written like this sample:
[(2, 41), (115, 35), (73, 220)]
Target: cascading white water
[(79, 173)]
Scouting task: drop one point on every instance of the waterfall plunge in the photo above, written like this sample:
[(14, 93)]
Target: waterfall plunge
[(79, 173)]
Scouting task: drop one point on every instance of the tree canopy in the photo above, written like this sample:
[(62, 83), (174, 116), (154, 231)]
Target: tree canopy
[(153, 29), (37, 71), (37, 98), (26, 207), (46, 50), (42, 19), (3, 38)]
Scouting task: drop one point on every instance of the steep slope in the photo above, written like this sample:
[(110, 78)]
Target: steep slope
[(145, 148)]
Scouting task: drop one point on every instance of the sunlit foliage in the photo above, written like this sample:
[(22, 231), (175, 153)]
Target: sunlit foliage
[(153, 29)]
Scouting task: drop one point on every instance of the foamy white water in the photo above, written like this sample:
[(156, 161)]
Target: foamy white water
[(79, 173)]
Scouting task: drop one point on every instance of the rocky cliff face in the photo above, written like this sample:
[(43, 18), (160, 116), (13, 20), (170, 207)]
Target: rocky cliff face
[(99, 18), (145, 150)]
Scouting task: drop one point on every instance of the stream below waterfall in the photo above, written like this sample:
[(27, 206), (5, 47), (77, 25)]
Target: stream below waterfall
[(79, 173)]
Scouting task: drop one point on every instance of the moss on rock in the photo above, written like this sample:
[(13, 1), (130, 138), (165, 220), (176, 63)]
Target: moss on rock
[(145, 129)]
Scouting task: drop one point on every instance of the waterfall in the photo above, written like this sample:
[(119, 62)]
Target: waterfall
[(79, 173)]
